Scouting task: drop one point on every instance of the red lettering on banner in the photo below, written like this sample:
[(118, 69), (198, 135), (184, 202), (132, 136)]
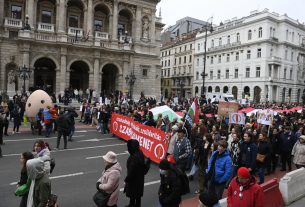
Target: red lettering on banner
[(153, 142)]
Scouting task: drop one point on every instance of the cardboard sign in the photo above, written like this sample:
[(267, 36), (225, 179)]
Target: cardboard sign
[(225, 108), (264, 116), (153, 142), (237, 118)]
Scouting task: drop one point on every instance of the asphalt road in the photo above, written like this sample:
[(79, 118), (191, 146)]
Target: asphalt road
[(77, 168)]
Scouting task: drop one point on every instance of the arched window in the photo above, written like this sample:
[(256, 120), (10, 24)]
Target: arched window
[(249, 34), (260, 32)]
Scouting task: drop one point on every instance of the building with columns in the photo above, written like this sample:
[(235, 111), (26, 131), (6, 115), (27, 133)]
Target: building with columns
[(81, 44), (261, 56)]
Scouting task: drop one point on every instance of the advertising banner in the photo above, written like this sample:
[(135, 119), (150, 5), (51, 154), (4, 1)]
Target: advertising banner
[(153, 142), (264, 116), (237, 118), (224, 108)]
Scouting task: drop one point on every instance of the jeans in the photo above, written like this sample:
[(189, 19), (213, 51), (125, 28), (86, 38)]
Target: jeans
[(48, 129), (261, 174), (193, 170), (72, 130)]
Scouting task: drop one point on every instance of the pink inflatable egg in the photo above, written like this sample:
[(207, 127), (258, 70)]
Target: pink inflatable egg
[(37, 100)]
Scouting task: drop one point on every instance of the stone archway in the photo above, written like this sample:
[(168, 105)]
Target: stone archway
[(225, 89), (257, 94), (196, 90), (110, 79), (210, 89), (45, 75), (246, 92), (79, 75), (217, 89), (234, 92)]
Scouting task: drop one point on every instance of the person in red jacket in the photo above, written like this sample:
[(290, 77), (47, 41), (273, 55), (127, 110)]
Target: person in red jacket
[(244, 191)]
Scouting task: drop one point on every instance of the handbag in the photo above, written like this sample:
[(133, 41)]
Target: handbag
[(260, 157), (101, 198)]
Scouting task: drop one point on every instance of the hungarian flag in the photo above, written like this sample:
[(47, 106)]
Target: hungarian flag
[(193, 114)]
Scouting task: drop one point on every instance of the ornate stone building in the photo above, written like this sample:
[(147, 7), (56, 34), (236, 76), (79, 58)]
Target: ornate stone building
[(81, 44)]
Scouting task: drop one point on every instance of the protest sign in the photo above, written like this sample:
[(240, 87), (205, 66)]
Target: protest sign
[(224, 108), (237, 118), (264, 116), (153, 142)]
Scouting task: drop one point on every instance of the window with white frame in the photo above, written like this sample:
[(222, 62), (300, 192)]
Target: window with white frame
[(237, 56), (197, 75), (249, 34), (218, 74), (197, 61), (236, 73), (212, 43), (219, 58), (198, 46), (190, 59), (175, 71), (16, 12), (247, 72), (191, 46), (270, 32), (175, 61), (46, 17), (74, 21), (228, 57), (248, 54), (237, 37), (292, 37), (220, 41), (227, 73), (286, 54), (287, 34), (169, 62), (184, 59), (259, 53), (291, 58), (179, 60), (228, 39), (271, 52), (258, 72), (212, 59), (290, 74), (211, 74), (260, 32), (285, 73)]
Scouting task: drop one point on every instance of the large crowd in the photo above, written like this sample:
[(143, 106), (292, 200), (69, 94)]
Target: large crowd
[(237, 157)]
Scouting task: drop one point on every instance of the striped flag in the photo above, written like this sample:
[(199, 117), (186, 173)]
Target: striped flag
[(193, 114)]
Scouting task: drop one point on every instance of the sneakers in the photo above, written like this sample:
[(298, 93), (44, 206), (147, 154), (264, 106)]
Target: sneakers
[(13, 132)]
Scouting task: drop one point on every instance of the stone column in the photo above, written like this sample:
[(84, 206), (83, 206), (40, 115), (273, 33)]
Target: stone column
[(153, 27), (110, 28), (270, 95), (96, 75), (57, 81), (84, 27), (30, 12), (115, 20), (90, 19), (138, 22), (272, 71), (91, 79), (61, 15), (64, 74), (25, 62), (1, 13)]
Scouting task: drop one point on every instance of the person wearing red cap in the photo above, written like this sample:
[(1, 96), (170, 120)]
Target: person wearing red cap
[(244, 190)]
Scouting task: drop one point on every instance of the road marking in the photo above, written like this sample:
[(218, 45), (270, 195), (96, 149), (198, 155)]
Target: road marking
[(32, 139), (81, 131), (73, 149), (59, 176), (89, 158), (145, 184), (97, 140)]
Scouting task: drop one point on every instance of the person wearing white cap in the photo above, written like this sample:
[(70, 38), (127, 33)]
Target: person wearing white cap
[(298, 152), (172, 141), (110, 180)]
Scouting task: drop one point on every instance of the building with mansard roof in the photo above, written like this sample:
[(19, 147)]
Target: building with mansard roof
[(81, 44)]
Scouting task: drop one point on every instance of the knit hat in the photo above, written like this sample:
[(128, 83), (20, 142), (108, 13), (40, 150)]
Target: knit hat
[(110, 157), (244, 172), (164, 165)]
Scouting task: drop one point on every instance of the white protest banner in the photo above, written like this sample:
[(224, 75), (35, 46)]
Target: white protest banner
[(237, 118), (264, 116)]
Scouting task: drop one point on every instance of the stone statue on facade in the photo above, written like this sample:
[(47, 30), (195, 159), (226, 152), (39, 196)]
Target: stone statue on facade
[(11, 81), (145, 28)]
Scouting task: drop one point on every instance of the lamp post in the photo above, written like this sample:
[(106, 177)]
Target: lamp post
[(181, 84), (126, 39), (24, 73), (207, 27), (26, 25), (130, 80)]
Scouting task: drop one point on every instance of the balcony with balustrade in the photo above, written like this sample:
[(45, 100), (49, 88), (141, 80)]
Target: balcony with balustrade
[(13, 23), (72, 31), (101, 35), (44, 27)]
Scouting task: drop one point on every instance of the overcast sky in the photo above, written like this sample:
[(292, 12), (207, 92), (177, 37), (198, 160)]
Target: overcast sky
[(222, 10)]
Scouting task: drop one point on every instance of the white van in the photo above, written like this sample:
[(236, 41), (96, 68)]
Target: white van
[(216, 97)]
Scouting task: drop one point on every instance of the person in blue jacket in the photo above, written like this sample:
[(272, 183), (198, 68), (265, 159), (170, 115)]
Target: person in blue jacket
[(248, 152), (219, 169)]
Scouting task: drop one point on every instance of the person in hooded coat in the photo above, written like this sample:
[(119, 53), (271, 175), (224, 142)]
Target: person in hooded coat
[(40, 189), (134, 181)]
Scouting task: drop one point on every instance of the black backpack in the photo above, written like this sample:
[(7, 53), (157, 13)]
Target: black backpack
[(185, 187)]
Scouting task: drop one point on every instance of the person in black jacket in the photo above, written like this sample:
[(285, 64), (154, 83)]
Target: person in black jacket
[(264, 149), (63, 128), (286, 144), (71, 114), (134, 181), (274, 140), (150, 120), (25, 156), (248, 152), (170, 187)]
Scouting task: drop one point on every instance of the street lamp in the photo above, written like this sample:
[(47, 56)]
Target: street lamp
[(130, 80), (26, 25), (181, 84), (207, 27), (24, 73)]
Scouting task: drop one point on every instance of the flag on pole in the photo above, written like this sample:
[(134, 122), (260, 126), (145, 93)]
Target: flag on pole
[(193, 114)]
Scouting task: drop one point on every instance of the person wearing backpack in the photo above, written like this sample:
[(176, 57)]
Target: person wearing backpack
[(170, 188), (219, 169)]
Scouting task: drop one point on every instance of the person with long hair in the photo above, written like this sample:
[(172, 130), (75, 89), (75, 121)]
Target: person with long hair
[(41, 150), (263, 152), (25, 156)]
